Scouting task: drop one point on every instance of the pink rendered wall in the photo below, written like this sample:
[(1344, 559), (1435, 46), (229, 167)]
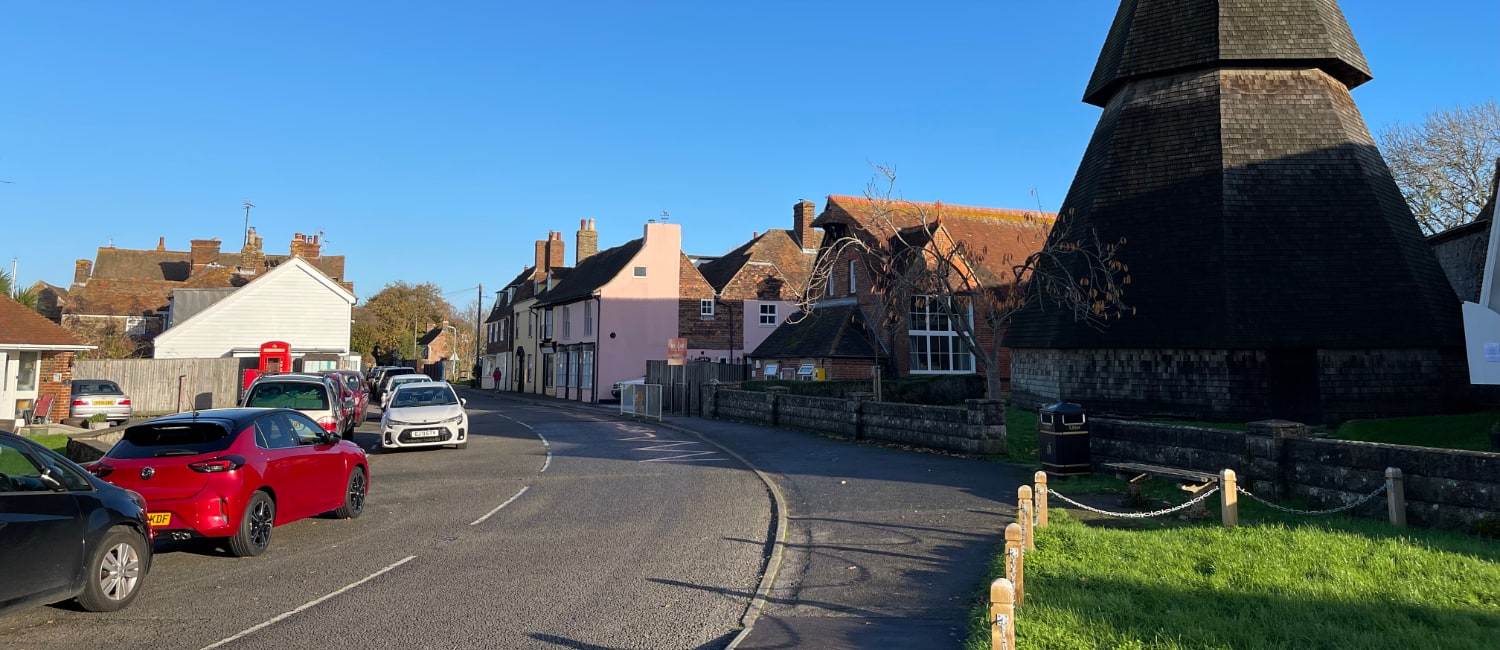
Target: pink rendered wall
[(641, 313)]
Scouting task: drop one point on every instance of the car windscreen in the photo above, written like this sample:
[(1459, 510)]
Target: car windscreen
[(95, 387), (303, 396), (423, 396), (172, 439)]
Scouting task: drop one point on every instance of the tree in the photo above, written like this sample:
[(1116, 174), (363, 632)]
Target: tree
[(396, 317), (912, 259), (1444, 166), (26, 297)]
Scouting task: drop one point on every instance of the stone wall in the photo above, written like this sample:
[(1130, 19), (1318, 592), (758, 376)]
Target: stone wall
[(978, 428), (1237, 385), (1276, 460), (1461, 252)]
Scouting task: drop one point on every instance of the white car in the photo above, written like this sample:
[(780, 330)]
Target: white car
[(397, 380), (424, 414)]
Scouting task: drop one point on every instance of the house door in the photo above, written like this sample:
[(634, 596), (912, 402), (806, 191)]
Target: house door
[(1294, 386), (8, 367)]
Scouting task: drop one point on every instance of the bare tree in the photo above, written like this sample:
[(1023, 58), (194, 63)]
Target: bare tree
[(1444, 166), (913, 260)]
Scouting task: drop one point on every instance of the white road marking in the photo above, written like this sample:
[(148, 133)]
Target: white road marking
[(306, 606), (693, 455), (547, 462), (491, 513)]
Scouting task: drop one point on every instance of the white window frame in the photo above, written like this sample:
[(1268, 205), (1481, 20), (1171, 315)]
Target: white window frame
[(771, 370), (530, 318), (567, 322), (936, 347), (706, 309), (586, 368), (852, 286), (547, 325), (588, 318), (775, 317)]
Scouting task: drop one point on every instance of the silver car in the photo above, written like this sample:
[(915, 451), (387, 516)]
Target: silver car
[(95, 396)]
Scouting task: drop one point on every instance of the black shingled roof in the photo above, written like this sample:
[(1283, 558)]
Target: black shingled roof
[(590, 274), (827, 332), (1152, 37)]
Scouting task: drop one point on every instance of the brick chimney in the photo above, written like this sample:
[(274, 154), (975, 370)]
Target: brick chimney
[(161, 243), (588, 241), (305, 246), (803, 215), (81, 271), (252, 257), (540, 269), (555, 250), (204, 252)]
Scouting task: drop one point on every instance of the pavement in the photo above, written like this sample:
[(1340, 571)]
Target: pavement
[(882, 548)]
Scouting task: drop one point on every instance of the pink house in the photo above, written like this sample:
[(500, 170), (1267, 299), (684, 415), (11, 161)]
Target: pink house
[(611, 314)]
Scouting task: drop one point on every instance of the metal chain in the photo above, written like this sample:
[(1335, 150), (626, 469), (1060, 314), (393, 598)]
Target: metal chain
[(1140, 515), (1348, 506), (1002, 621), (1010, 572)]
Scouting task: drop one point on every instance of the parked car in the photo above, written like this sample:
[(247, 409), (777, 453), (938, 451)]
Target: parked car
[(320, 398), (424, 414), (395, 381), (65, 534), (354, 393), (237, 473), (94, 396), (377, 389)]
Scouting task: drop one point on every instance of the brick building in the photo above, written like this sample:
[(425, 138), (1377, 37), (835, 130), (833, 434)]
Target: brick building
[(1277, 271), (36, 359)]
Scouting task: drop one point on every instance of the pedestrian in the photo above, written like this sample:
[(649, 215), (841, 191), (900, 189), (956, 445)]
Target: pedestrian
[(497, 376)]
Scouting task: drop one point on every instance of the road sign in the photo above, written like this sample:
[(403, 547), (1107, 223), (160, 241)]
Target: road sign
[(676, 352)]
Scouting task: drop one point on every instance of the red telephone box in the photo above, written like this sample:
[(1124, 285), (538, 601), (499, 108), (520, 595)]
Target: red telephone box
[(275, 357)]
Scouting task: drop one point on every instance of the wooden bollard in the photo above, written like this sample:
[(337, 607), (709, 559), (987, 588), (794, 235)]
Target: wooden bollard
[(1026, 513), (1002, 616), (1015, 570), (1040, 497), (1229, 492), (1395, 496)]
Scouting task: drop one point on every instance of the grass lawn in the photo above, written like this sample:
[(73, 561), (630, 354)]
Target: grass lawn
[(1273, 583), (55, 442), (1443, 431), (1021, 440)]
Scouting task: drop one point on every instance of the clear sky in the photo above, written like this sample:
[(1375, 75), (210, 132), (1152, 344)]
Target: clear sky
[(436, 141)]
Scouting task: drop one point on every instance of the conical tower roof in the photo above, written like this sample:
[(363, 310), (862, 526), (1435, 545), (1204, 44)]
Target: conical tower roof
[(1155, 37)]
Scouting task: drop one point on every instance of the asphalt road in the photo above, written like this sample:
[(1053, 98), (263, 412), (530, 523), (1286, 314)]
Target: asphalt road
[(554, 529)]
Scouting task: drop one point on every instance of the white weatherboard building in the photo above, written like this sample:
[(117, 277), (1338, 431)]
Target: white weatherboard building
[(294, 302)]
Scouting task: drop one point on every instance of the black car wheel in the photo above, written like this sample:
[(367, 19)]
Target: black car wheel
[(354, 497), (115, 571), (255, 527)]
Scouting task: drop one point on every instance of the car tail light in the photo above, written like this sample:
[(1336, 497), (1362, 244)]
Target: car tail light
[(328, 424), (216, 465), (80, 402), (123, 402), (100, 469)]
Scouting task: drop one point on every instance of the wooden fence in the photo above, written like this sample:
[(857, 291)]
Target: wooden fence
[(682, 386), (158, 386)]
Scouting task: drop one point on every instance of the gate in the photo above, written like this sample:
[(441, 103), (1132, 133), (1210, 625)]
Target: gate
[(682, 385), (641, 399)]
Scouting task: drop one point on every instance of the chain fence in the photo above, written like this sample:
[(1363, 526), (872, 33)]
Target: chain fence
[(1140, 515), (1331, 511)]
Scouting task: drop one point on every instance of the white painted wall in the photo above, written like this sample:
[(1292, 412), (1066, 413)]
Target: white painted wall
[(294, 302)]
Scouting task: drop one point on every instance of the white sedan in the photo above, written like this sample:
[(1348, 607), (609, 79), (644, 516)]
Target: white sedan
[(424, 414)]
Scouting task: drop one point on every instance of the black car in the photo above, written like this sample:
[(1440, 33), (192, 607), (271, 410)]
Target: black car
[(65, 534)]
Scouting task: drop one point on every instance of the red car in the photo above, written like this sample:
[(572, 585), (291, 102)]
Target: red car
[(236, 473), (353, 390)]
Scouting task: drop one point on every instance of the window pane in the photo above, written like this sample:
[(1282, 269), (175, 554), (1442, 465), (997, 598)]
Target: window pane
[(919, 313), (919, 353), (941, 359)]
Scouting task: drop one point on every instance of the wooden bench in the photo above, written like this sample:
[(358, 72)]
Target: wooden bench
[(1191, 481)]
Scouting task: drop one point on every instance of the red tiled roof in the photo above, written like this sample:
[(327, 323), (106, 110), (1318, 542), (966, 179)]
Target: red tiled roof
[(19, 325)]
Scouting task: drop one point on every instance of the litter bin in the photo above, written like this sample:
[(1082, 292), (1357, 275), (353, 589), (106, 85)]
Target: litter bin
[(1062, 430)]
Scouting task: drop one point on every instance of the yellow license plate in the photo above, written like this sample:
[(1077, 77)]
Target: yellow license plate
[(104, 402), (159, 518)]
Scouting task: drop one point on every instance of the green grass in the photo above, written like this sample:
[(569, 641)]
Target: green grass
[(1021, 443), (56, 442), (1443, 431), (1270, 584)]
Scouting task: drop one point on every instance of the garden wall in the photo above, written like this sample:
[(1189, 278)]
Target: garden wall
[(976, 428), (1276, 459)]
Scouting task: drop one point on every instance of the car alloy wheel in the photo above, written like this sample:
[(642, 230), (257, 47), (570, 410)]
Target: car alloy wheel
[(255, 530), (115, 571), (120, 571), (354, 498)]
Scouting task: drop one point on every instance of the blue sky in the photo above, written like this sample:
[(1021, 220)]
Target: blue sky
[(437, 141)]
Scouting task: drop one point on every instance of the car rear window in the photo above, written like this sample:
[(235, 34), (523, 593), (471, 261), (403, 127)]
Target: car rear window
[(95, 387), (423, 396), (302, 396), (172, 439)]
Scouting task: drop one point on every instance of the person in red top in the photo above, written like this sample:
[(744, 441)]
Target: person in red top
[(496, 376)]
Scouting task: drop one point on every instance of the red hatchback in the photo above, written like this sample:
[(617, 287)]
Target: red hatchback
[(236, 473)]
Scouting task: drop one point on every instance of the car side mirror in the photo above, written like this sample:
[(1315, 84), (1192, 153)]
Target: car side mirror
[(463, 402), (51, 481), (329, 438)]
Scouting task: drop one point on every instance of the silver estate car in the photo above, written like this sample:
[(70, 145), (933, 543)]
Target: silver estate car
[(94, 396)]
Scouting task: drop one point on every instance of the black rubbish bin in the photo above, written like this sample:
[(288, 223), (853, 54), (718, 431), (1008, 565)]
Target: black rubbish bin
[(1063, 433)]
